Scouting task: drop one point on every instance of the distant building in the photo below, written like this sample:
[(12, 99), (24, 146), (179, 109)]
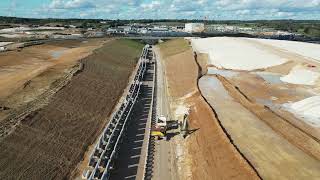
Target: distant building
[(112, 31), (72, 26), (222, 28), (194, 27), (142, 30), (125, 29), (159, 29), (3, 49), (178, 28)]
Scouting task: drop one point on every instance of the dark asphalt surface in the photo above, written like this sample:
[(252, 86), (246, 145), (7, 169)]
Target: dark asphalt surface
[(127, 163)]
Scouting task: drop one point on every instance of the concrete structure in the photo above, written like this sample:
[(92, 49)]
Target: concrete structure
[(126, 29), (194, 27)]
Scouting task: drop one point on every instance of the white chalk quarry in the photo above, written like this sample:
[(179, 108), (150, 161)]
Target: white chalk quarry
[(308, 50), (306, 109), (22, 29), (236, 53), (221, 72), (4, 43), (301, 76), (181, 110), (11, 35)]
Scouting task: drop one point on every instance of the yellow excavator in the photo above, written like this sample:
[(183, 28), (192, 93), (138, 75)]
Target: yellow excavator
[(157, 134)]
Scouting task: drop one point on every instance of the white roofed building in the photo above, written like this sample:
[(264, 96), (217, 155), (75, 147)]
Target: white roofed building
[(194, 27)]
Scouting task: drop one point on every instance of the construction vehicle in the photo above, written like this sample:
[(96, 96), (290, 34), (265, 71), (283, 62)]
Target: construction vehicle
[(184, 125), (160, 129), (162, 122), (157, 134)]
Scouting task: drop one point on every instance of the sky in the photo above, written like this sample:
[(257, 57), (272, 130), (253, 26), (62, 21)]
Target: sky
[(163, 9)]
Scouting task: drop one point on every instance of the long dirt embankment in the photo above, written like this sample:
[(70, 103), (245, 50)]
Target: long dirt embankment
[(50, 142), (209, 149), (270, 153), (293, 134)]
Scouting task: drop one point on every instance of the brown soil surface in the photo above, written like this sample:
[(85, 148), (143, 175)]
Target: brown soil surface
[(257, 90), (27, 74), (187, 70), (32, 61), (202, 60), (272, 155), (50, 142), (296, 131), (211, 153)]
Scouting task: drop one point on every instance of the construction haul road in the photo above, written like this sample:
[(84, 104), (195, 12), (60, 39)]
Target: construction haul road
[(163, 166)]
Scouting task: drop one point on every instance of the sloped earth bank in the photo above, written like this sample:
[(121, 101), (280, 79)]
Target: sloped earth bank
[(302, 137), (271, 154), (49, 143), (26, 74), (209, 152)]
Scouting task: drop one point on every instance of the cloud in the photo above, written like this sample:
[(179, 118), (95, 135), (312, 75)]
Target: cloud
[(151, 6), (71, 4), (186, 9)]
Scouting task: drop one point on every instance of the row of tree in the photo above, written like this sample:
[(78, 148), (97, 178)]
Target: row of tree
[(307, 27)]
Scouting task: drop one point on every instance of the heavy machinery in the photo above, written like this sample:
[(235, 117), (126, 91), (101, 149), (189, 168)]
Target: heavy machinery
[(184, 126), (157, 134), (162, 122), (159, 130), (163, 128)]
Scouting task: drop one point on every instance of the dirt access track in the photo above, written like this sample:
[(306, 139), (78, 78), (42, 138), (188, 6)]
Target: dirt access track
[(50, 142), (209, 152)]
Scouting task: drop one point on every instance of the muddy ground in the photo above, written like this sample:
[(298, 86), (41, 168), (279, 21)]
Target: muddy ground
[(50, 142)]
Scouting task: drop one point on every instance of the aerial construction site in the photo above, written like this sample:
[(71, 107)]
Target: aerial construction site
[(252, 105), (184, 108)]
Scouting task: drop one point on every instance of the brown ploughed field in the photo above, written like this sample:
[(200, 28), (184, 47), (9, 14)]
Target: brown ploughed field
[(27, 74), (50, 142)]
